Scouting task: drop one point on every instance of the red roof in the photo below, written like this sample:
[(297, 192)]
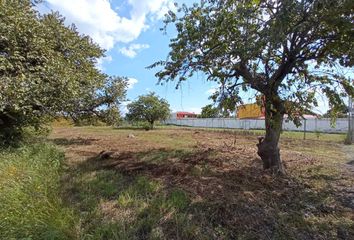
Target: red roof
[(185, 113)]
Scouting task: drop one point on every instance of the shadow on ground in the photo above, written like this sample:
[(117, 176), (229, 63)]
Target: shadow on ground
[(351, 162), (73, 141), (197, 194)]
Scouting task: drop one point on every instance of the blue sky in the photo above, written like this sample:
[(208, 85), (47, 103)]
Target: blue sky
[(129, 31)]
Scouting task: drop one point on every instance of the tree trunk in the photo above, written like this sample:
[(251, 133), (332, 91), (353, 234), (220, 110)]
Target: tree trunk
[(268, 148), (10, 132), (151, 125)]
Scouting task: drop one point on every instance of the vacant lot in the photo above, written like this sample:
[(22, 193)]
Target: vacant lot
[(174, 183)]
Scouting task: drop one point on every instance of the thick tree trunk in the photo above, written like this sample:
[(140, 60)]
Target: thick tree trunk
[(268, 148)]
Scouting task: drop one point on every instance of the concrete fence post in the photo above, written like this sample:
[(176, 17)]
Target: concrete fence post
[(304, 129)]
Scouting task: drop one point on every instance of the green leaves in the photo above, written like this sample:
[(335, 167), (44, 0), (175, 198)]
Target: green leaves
[(277, 48), (49, 69), (209, 112)]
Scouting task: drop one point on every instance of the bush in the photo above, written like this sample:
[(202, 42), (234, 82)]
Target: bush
[(146, 126), (16, 137), (29, 194), (62, 122)]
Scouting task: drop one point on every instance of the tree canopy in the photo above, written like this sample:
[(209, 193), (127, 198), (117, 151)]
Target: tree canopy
[(287, 51), (149, 108), (48, 68), (209, 111), (339, 112)]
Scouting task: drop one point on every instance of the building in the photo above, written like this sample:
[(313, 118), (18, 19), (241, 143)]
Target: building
[(181, 115), (250, 111), (254, 111)]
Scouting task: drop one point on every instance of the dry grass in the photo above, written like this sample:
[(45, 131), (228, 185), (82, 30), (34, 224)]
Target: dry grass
[(194, 184)]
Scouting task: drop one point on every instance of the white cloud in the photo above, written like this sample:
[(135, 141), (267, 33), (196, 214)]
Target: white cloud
[(98, 19), (103, 60), (124, 108), (133, 49), (158, 7), (132, 82), (323, 105), (211, 91), (196, 110)]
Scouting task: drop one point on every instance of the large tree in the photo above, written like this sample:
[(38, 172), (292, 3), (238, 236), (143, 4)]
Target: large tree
[(149, 108), (286, 50), (101, 103), (48, 69)]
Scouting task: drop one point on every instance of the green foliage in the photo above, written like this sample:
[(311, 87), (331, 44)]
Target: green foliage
[(209, 112), (46, 69), (112, 116), (105, 117), (88, 120), (149, 108), (340, 111), (101, 105), (29, 190), (289, 51), (145, 125)]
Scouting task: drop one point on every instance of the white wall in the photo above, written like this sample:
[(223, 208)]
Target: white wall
[(312, 125)]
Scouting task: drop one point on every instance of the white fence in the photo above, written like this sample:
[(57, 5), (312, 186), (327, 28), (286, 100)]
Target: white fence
[(311, 125)]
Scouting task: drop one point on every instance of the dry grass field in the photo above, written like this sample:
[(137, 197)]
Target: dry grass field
[(178, 183)]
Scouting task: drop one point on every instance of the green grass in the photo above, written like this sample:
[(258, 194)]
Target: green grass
[(161, 155), (332, 137), (335, 137), (171, 190), (30, 203), (159, 138), (111, 205)]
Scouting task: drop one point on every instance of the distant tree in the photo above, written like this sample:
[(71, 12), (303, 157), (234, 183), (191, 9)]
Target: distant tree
[(47, 69), (286, 50), (149, 108), (209, 111)]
